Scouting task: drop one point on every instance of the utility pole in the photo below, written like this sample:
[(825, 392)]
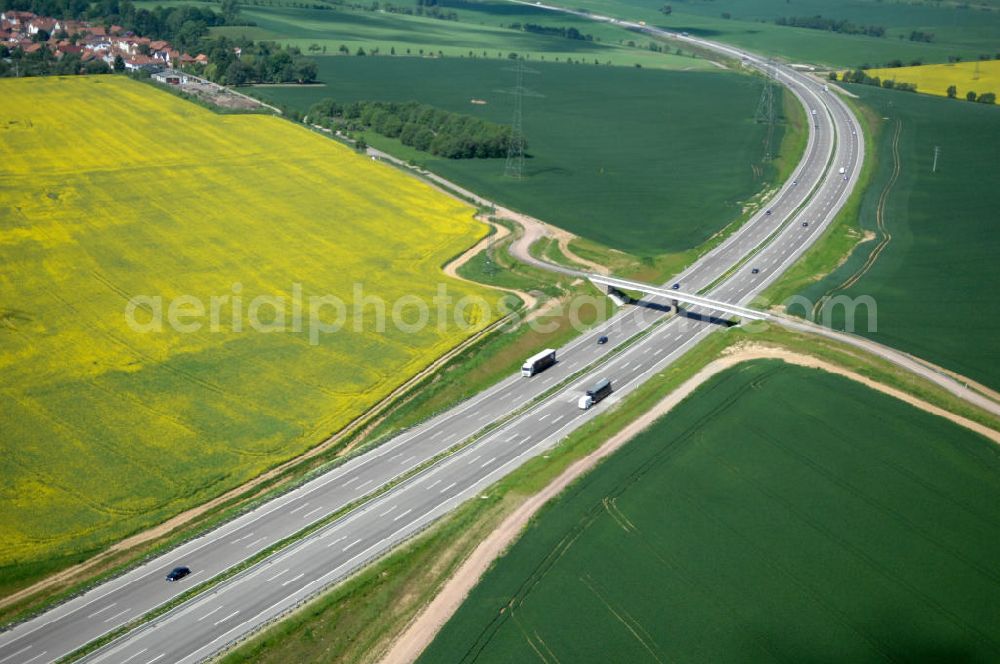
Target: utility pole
[(765, 108), (514, 166), (937, 151), (489, 260)]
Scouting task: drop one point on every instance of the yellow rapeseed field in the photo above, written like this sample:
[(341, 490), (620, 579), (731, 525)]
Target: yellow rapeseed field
[(109, 190), (979, 77)]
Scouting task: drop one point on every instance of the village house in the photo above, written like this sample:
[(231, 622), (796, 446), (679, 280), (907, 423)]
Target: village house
[(18, 30), (40, 24)]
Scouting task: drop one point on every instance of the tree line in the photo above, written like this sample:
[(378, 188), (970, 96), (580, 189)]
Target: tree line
[(420, 126), (552, 31), (258, 62), (982, 98), (830, 24), (862, 77)]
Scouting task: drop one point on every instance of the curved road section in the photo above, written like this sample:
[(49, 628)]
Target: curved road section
[(524, 417)]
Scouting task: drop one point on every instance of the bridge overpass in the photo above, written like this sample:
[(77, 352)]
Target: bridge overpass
[(676, 296)]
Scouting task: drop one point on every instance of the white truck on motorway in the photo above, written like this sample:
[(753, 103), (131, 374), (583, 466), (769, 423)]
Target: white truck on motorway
[(842, 170), (538, 362), (601, 389)]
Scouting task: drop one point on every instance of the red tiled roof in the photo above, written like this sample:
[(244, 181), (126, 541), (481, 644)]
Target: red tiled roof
[(46, 24)]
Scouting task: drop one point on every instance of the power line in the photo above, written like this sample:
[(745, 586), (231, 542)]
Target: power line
[(514, 166), (765, 113)]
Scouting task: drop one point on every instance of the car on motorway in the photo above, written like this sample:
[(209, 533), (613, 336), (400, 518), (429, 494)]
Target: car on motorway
[(804, 224), (755, 271), (768, 211), (795, 181), (676, 286), (178, 573), (601, 340)]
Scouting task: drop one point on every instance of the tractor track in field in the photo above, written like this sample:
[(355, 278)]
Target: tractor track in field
[(885, 236)]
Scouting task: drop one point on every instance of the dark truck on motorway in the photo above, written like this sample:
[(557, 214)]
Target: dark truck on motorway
[(599, 391)]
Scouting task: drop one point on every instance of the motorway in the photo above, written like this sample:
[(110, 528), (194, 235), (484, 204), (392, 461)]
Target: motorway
[(202, 626)]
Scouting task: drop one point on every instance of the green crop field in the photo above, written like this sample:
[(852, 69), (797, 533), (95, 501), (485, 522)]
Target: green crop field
[(958, 29), (112, 423), (936, 278), (481, 30), (645, 161), (780, 514)]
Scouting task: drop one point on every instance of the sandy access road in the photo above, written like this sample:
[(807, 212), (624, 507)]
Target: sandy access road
[(534, 229), (425, 626)]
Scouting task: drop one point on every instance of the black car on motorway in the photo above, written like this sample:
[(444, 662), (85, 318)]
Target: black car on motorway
[(178, 573)]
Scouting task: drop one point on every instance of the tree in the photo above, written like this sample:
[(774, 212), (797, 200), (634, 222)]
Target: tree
[(952, 92), (361, 51), (987, 98), (343, 49), (970, 95), (120, 67), (238, 73), (361, 145), (96, 67), (230, 10), (833, 76), (305, 70), (667, 9)]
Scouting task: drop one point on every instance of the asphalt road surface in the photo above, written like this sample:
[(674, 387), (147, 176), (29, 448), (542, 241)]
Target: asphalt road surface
[(202, 626)]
